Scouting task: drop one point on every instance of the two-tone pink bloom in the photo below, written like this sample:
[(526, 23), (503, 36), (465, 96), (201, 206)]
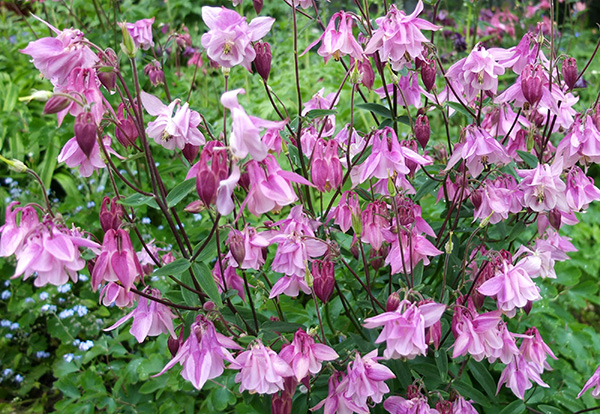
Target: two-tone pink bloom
[(408, 90), (347, 207), (141, 33), (404, 329), (172, 131), (542, 187), (337, 400), (326, 169), (226, 278), (518, 375), (593, 382), (113, 293), (497, 198), (150, 318), (408, 250), (581, 190), (477, 73), (582, 143), (304, 355), (253, 244), (416, 405), (534, 349), (72, 155), (262, 371), (320, 101), (366, 379), (338, 42), (229, 40), (203, 354)]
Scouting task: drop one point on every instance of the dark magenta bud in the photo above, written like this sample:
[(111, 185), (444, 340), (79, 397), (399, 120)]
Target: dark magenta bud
[(174, 344), (323, 279), (444, 407), (155, 74), (237, 247), (554, 217), (106, 74), (422, 130), (208, 306), (262, 62), (476, 199), (532, 83), (125, 130), (258, 5), (281, 403), (428, 73), (354, 249), (393, 302), (190, 152), (376, 259), (569, 72), (56, 104), (85, 132), (111, 219), (528, 306)]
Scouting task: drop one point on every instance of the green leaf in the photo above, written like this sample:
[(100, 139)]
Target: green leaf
[(49, 164), (549, 409), (376, 108), (441, 360), (529, 159), (136, 200), (515, 407), (189, 297), (318, 113), (153, 384), (482, 375), (427, 188), (207, 283), (459, 108), (470, 392), (68, 387), (280, 326), (180, 191), (67, 182), (174, 268)]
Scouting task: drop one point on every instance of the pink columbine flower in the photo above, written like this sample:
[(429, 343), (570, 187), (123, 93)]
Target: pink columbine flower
[(319, 101), (404, 329), (113, 293), (366, 378), (270, 186), (72, 155), (497, 198), (581, 190), (347, 207), (337, 401), (262, 371), (416, 405), (462, 406), (326, 169), (304, 355), (229, 40), (542, 187), (349, 142), (141, 33), (374, 220), (117, 262), (210, 171), (56, 57), (245, 135), (512, 286), (534, 349), (203, 354), (228, 279), (582, 143), (415, 248), (18, 223), (84, 86), (478, 148), (150, 318), (478, 72), (398, 36), (339, 42), (172, 131), (518, 375), (407, 88), (593, 382), (517, 57), (253, 243)]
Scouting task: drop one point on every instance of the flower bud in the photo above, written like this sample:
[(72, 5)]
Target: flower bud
[(194, 207), (569, 72), (85, 132), (174, 343), (208, 306), (190, 152), (258, 5), (354, 248), (428, 73), (422, 130), (236, 246), (527, 307), (532, 83), (168, 258), (128, 45), (323, 279), (56, 104), (262, 62), (376, 259), (281, 404), (125, 130), (393, 302), (155, 74), (476, 199), (106, 74), (111, 219), (444, 407), (554, 217)]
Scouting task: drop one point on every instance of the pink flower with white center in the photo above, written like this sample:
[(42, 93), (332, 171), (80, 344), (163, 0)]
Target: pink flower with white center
[(497, 198), (245, 135), (172, 131), (462, 406), (203, 354), (253, 246), (150, 318), (542, 187), (534, 349), (593, 382), (477, 73), (229, 40), (374, 220), (582, 143), (83, 85), (271, 189), (478, 148), (304, 355), (347, 207), (366, 378), (387, 158), (517, 57), (399, 36), (225, 189), (500, 120), (518, 375), (56, 57), (141, 33), (339, 42), (337, 401), (512, 286), (72, 155), (581, 190), (113, 293), (413, 248), (326, 169), (404, 329), (13, 235), (417, 405), (229, 279), (262, 371), (545, 253), (509, 349), (117, 262), (407, 88), (355, 142), (272, 139), (319, 101)]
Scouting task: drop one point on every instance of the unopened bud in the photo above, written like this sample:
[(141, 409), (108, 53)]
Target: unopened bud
[(236, 247), (569, 72), (258, 5), (428, 73), (449, 245), (393, 302), (354, 249), (190, 152), (262, 62), (128, 45), (532, 83), (422, 130), (56, 104), (85, 132), (376, 259), (113, 218), (555, 218), (209, 306), (174, 343), (323, 273), (106, 74)]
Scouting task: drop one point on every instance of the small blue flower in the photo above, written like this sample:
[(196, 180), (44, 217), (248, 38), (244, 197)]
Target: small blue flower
[(197, 217), (42, 354), (68, 357), (80, 309), (49, 308), (14, 326), (76, 342), (18, 378), (64, 288), (146, 220), (44, 295), (66, 313), (100, 189), (7, 372), (85, 346), (29, 300), (160, 227), (84, 278), (5, 323), (5, 295), (8, 336), (91, 204)]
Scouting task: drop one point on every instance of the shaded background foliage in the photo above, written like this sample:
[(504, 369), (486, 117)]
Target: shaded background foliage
[(46, 360)]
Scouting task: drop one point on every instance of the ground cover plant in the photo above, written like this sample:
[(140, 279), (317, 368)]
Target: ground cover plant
[(300, 206)]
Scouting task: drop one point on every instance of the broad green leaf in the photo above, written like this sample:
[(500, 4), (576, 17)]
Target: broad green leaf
[(207, 282), (180, 191), (174, 268), (376, 108), (483, 377), (441, 360), (515, 407), (529, 159), (137, 200), (318, 113)]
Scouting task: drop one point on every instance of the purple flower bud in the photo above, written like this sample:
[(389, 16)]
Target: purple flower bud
[(155, 74), (258, 5), (532, 82), (569, 72), (422, 130), (354, 249), (111, 219), (428, 73), (106, 73), (262, 62), (596, 117), (236, 246), (190, 152), (174, 344), (476, 199), (393, 302), (554, 217), (281, 403), (56, 104), (208, 306), (323, 279), (527, 307), (85, 132), (444, 407), (125, 130)]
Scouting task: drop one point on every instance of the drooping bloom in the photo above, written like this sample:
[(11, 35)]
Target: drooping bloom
[(226, 278), (581, 190), (398, 36), (582, 143), (113, 293), (150, 318), (338, 42), (496, 198), (337, 401), (73, 156), (462, 406), (172, 131), (229, 40), (326, 169), (253, 243), (210, 171), (416, 405), (141, 33), (404, 329), (593, 382), (534, 350), (374, 220), (542, 187), (203, 354), (319, 101), (304, 355), (408, 90), (408, 250), (262, 371), (323, 273), (518, 375), (366, 378), (347, 207)]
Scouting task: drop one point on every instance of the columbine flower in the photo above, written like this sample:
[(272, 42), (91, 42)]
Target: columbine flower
[(326, 169), (203, 354), (534, 349), (518, 375), (253, 243), (172, 131), (462, 406), (337, 401), (404, 329), (304, 355), (416, 405), (150, 318), (347, 207), (141, 33), (339, 42), (261, 370), (366, 378), (581, 190), (229, 279), (582, 143), (412, 247), (594, 381), (319, 101), (399, 36), (229, 40), (542, 187)]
